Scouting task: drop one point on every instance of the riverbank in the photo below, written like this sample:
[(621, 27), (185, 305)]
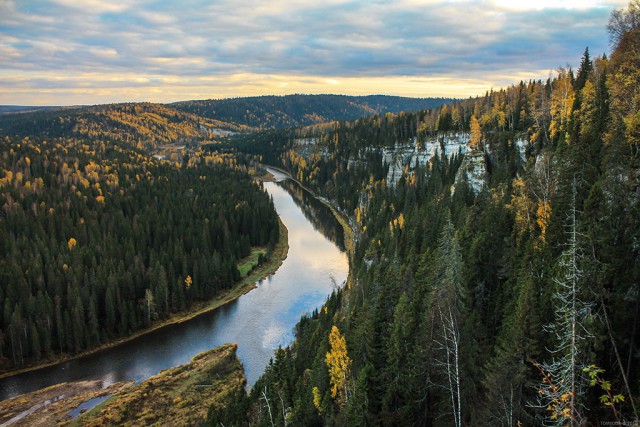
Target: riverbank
[(349, 239), (52, 405), (177, 396), (245, 285)]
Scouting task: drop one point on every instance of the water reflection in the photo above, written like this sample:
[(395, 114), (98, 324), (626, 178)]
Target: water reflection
[(318, 214), (259, 321)]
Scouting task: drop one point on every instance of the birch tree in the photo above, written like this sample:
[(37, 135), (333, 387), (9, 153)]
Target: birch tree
[(149, 304), (445, 310)]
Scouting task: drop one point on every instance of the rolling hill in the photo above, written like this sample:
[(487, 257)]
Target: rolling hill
[(302, 110)]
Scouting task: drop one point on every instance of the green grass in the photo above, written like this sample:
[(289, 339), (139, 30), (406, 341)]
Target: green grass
[(247, 264)]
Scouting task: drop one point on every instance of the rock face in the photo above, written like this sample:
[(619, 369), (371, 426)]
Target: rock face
[(406, 157), (474, 170), (522, 145), (414, 154)]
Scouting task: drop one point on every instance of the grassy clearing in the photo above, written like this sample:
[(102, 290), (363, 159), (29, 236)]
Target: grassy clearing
[(249, 263), (177, 396), (77, 422)]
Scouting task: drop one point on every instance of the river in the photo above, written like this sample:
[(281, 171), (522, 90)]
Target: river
[(258, 321)]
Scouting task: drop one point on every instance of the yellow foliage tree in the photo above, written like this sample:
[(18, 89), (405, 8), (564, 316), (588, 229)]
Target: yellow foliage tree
[(543, 218), (400, 221), (72, 243), (339, 365), (522, 207), (317, 399), (476, 132), (562, 98)]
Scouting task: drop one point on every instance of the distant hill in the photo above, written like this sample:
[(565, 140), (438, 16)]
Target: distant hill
[(191, 120), (302, 110), (7, 109), (154, 123)]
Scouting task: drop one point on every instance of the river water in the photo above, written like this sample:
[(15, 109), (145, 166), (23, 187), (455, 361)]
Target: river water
[(258, 321)]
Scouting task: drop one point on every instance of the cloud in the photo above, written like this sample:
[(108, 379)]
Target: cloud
[(166, 50), (94, 6)]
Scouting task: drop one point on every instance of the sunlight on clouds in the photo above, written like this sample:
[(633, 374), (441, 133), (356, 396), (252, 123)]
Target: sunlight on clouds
[(103, 52), (95, 6), (90, 88), (8, 51), (180, 60), (157, 18), (523, 5), (95, 51)]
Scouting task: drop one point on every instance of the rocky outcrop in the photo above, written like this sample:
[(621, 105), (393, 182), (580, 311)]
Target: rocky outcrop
[(416, 154), (473, 170)]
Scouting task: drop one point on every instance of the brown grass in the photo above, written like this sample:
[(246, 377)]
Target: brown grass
[(54, 403), (177, 396)]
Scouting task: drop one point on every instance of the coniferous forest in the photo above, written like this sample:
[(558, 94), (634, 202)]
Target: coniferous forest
[(101, 239), (494, 275), (514, 302)]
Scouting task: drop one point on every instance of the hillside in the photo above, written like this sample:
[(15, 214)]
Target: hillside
[(141, 124), (12, 109), (494, 278), (302, 110), (100, 239), (177, 396)]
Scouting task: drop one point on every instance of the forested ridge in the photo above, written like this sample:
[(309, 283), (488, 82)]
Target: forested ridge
[(145, 125), (301, 110), (99, 239), (513, 303), (101, 236)]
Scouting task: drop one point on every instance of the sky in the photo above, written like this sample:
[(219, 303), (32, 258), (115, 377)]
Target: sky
[(69, 52)]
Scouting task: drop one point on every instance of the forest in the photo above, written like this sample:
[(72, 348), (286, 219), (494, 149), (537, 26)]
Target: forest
[(143, 125), (117, 216), (494, 277), (268, 112), (512, 304), (100, 239)]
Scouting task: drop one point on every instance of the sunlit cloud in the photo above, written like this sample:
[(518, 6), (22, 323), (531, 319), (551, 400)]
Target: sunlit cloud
[(554, 4), (91, 51), (94, 6)]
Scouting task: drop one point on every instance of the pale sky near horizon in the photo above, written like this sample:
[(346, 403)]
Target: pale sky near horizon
[(66, 52)]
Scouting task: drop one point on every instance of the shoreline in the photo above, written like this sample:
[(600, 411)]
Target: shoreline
[(245, 285), (186, 391), (342, 218)]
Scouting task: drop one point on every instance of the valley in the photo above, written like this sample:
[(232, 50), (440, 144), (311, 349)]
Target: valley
[(333, 260)]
